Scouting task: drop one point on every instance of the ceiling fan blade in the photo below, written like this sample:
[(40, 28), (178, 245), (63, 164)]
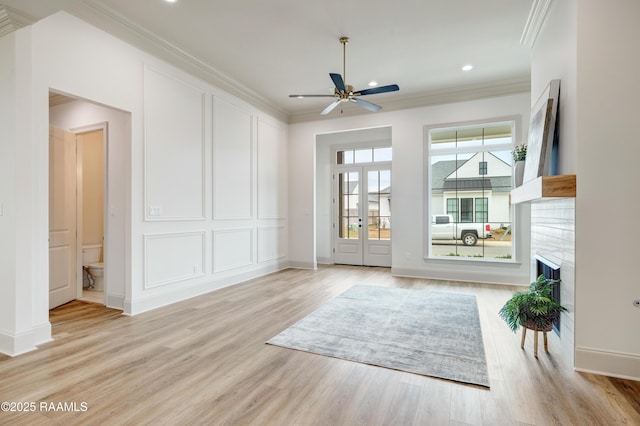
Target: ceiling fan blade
[(381, 89), (339, 82), (330, 108), (312, 96), (367, 105)]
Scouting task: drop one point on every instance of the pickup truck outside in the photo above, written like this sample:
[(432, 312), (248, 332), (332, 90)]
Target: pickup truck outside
[(443, 228)]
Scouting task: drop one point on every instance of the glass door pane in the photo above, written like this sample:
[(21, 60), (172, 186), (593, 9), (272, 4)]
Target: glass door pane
[(349, 208), (379, 204)]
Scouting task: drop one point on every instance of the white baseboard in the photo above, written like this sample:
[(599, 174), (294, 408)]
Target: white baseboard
[(624, 366), (474, 276), (20, 343), (115, 301), (303, 265)]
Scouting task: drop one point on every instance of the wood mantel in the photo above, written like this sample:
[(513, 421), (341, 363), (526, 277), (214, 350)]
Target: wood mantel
[(545, 187)]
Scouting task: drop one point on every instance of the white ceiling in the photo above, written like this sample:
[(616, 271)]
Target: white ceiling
[(263, 50)]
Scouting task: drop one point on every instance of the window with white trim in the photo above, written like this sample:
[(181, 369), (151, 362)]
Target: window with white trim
[(470, 180)]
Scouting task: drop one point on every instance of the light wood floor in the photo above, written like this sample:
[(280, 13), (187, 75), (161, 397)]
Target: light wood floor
[(204, 361), (93, 296)]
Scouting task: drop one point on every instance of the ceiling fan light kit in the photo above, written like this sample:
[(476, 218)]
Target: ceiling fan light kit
[(344, 92)]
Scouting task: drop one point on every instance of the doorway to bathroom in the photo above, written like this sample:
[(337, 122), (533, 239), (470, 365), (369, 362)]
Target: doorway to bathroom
[(101, 135)]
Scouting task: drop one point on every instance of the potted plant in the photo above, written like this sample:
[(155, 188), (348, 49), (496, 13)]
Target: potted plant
[(534, 309), (519, 154)]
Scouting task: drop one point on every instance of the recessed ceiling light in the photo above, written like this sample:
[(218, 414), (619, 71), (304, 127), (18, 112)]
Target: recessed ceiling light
[(171, 1), (467, 68), (373, 83)]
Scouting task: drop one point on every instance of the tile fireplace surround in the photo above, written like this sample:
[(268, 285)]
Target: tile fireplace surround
[(553, 238)]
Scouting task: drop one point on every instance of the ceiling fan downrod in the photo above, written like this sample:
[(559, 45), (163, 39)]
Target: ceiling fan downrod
[(344, 41)]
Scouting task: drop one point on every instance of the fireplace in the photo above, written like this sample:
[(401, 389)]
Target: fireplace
[(553, 239), (551, 271)]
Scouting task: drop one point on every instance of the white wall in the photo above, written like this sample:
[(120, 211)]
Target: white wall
[(554, 57), (8, 231), (168, 252), (23, 322), (590, 46), (408, 245), (608, 90)]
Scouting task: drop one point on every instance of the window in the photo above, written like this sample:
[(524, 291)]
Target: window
[(363, 155), (470, 178), (466, 210), (442, 220), (452, 208), (482, 213), (482, 170)]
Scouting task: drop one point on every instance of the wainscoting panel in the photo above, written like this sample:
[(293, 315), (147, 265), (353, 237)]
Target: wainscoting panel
[(170, 258), (272, 243), (272, 171), (232, 161), (232, 248), (173, 148)]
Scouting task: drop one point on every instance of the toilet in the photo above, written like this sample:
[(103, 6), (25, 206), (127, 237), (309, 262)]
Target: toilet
[(91, 263)]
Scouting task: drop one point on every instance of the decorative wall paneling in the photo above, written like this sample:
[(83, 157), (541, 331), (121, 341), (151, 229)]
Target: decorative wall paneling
[(232, 249), (214, 162), (233, 186), (210, 163), (272, 171), (172, 258), (174, 148), (271, 243)]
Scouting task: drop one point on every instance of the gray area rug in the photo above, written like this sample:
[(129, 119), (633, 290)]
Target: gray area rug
[(419, 331)]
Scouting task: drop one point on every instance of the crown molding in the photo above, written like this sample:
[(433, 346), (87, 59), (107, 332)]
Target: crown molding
[(11, 20), (105, 18), (534, 23), (430, 98)]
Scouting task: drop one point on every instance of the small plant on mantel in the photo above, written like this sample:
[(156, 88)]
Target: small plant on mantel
[(534, 309), (519, 153)]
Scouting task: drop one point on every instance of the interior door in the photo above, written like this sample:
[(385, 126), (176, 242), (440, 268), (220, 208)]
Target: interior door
[(62, 217), (362, 229)]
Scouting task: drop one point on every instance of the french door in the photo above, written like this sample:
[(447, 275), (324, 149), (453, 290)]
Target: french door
[(362, 219)]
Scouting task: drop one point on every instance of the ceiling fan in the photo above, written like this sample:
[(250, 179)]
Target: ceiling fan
[(344, 92)]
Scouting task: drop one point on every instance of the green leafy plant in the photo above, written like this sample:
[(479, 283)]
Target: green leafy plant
[(519, 153), (535, 308)]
